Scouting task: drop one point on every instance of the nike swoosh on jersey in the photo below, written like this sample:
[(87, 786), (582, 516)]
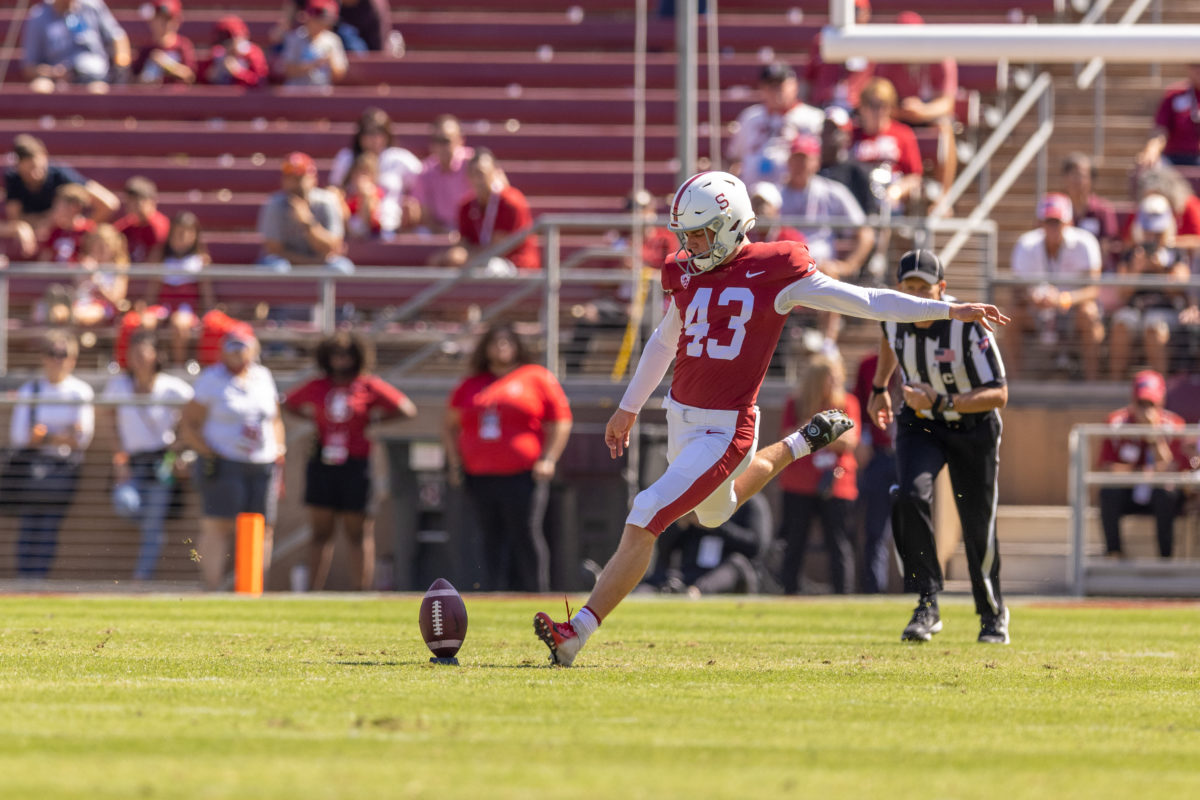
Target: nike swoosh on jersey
[(755, 274)]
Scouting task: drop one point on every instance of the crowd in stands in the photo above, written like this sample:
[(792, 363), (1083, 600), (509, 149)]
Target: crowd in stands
[(829, 154)]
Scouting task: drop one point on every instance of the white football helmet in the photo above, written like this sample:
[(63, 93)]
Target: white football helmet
[(718, 203)]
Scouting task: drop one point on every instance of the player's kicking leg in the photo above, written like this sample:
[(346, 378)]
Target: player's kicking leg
[(822, 430), (628, 565)]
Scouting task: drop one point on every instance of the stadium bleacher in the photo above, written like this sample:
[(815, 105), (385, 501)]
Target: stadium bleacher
[(547, 87)]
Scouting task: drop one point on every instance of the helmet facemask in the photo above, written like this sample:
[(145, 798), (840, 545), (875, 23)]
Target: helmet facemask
[(696, 263)]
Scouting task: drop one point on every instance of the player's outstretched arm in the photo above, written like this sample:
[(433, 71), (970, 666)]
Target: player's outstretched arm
[(982, 313), (616, 433)]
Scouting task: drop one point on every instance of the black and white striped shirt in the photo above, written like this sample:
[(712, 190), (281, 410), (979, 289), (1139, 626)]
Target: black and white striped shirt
[(951, 356)]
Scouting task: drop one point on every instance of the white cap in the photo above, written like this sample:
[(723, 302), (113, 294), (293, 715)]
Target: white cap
[(769, 192)]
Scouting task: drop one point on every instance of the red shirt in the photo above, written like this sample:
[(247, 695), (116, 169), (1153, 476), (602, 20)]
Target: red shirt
[(924, 81), (181, 50), (64, 245), (342, 413), (803, 476), (1186, 223), (142, 238), (507, 211), (502, 419), (895, 144), (834, 84), (862, 392), (730, 325), (1136, 450), (1179, 115)]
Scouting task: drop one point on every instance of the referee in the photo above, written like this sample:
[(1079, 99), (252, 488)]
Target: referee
[(953, 383)]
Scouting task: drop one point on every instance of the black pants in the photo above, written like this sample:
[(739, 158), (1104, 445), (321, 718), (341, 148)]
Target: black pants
[(798, 513), (511, 510), (40, 521), (973, 457), (1117, 502)]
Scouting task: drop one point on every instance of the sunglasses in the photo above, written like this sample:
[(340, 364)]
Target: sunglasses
[(57, 355), (440, 139)]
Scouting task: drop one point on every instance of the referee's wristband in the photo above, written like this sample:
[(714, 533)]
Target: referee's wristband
[(878, 389)]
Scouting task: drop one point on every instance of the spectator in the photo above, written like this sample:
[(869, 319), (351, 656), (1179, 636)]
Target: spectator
[(493, 211), (363, 196), (233, 424), (399, 170), (1151, 314), (837, 164), (144, 227), (825, 486), (1093, 213), (312, 53), (302, 224), (22, 235), (1168, 181), (877, 454), (443, 182), (813, 197), (758, 150), (1056, 248), (61, 434), (887, 147), (1176, 133), (506, 426), (365, 23), (100, 291), (928, 95), (145, 465), (31, 185), (767, 203), (68, 225), (1145, 455), (342, 403), (78, 41), (181, 293), (727, 559), (170, 57), (838, 84), (234, 59)]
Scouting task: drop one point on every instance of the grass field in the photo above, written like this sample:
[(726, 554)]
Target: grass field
[(306, 697)]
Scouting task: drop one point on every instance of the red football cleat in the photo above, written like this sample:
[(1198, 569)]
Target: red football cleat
[(560, 637)]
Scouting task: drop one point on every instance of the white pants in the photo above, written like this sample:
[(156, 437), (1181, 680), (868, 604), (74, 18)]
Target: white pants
[(707, 450)]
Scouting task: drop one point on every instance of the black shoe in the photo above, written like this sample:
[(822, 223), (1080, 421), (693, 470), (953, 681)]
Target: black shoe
[(825, 427), (925, 622), (993, 628)]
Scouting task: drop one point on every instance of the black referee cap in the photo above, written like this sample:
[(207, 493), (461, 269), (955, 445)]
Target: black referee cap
[(923, 264)]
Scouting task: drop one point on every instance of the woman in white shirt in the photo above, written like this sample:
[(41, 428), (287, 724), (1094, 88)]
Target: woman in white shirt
[(398, 169), (143, 467), (233, 424), (60, 434)]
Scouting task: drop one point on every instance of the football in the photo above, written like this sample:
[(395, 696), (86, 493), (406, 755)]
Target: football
[(443, 619)]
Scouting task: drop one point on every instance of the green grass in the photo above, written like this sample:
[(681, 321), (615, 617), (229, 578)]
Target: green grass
[(218, 697)]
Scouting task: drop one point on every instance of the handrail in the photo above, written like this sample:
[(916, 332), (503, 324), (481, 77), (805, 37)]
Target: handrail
[(1131, 15), (997, 138), (1039, 91), (1080, 479), (509, 289)]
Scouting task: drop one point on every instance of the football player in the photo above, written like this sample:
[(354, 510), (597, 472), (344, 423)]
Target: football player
[(729, 299)]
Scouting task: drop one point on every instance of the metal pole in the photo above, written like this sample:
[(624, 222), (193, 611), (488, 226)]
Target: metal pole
[(328, 306), (1076, 491), (712, 29), (1045, 112), (553, 287), (686, 18), (4, 309)]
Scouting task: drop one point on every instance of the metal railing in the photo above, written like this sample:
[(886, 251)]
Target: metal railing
[(1081, 479), (500, 293)]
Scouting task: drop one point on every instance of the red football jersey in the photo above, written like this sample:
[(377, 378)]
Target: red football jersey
[(730, 325), (342, 413)]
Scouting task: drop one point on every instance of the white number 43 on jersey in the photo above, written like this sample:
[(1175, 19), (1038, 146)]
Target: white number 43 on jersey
[(696, 325)]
